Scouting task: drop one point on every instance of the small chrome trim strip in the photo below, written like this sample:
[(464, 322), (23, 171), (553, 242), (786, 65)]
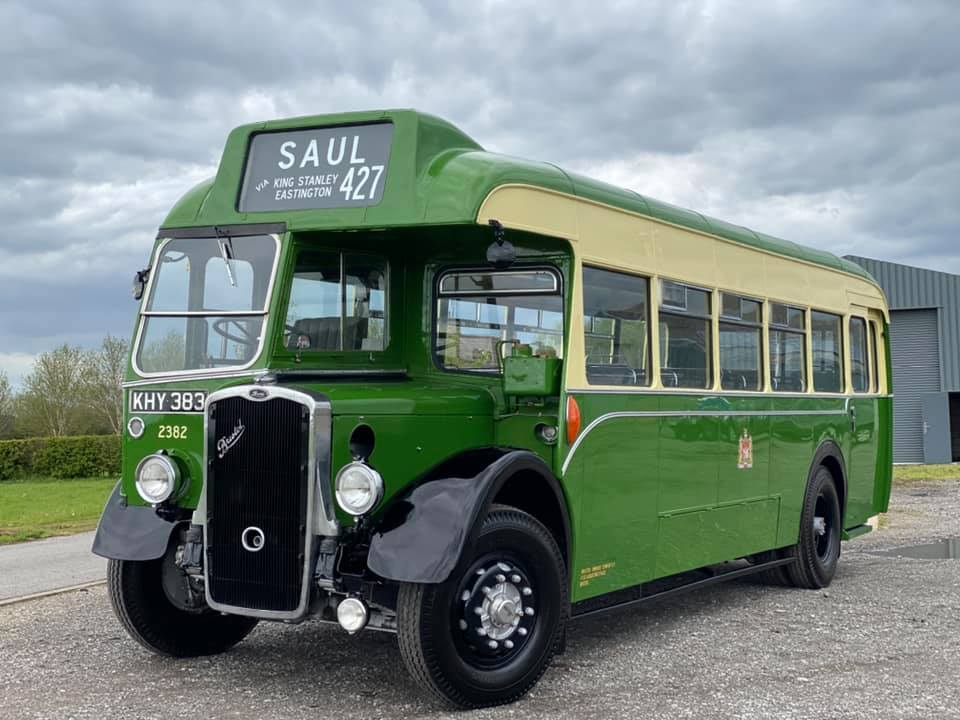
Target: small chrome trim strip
[(252, 374), (320, 520), (685, 414), (709, 393), (204, 313)]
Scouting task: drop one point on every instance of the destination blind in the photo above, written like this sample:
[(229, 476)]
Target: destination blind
[(317, 169)]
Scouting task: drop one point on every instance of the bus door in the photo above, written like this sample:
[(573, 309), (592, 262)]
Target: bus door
[(863, 338)]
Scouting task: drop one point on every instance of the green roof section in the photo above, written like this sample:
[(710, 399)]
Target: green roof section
[(439, 175)]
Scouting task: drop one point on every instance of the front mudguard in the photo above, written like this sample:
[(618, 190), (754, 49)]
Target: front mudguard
[(423, 535), (130, 532)]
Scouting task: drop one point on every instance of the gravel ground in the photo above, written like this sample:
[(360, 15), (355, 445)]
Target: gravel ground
[(882, 642)]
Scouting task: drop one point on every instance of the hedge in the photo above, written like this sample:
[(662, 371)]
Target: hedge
[(60, 457)]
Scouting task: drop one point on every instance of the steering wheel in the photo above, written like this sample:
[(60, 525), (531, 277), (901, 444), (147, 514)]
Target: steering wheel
[(221, 326)]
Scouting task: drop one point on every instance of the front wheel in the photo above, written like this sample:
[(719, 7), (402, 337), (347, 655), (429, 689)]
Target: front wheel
[(486, 635), (142, 604)]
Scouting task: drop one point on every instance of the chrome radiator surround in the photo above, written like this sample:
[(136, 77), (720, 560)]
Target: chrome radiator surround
[(320, 516)]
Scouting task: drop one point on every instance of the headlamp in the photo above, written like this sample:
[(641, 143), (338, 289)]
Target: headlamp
[(359, 488), (158, 478)]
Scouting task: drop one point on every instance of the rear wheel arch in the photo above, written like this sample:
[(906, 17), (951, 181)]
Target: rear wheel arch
[(830, 456)]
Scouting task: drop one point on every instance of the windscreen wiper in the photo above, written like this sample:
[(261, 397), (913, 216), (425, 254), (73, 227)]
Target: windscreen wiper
[(226, 252)]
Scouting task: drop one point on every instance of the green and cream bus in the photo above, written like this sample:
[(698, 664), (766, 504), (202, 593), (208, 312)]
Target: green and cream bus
[(384, 378)]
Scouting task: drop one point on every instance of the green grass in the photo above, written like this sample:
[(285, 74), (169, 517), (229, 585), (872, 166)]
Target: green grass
[(918, 473), (39, 508)]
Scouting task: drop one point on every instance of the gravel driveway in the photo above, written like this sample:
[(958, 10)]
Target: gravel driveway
[(882, 642)]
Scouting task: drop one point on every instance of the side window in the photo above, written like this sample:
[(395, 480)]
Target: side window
[(477, 310), (337, 303), (616, 328), (859, 360), (685, 347), (875, 356), (827, 352), (788, 348), (741, 347)]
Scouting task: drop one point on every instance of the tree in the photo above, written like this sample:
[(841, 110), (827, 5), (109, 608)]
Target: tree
[(104, 371), (7, 415), (52, 401)]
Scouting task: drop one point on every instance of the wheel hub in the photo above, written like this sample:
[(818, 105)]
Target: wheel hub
[(497, 609)]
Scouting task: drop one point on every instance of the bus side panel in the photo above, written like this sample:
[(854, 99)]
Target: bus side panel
[(862, 462), (796, 435), (715, 502), (884, 467), (614, 474)]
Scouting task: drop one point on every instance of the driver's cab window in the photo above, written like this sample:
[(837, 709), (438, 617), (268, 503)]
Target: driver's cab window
[(337, 303)]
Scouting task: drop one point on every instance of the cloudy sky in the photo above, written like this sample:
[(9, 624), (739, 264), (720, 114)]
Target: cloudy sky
[(832, 124)]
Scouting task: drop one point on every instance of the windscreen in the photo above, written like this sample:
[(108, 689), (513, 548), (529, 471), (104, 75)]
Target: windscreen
[(207, 304)]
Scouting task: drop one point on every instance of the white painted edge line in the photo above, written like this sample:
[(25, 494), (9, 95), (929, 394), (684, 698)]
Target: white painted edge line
[(48, 593)]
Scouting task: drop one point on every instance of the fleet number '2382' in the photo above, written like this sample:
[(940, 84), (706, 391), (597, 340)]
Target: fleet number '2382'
[(167, 401)]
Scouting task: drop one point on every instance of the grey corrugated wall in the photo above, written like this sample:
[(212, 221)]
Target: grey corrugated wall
[(913, 288)]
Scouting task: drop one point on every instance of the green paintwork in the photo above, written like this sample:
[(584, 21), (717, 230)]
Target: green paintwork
[(649, 494), (421, 417), (678, 499), (531, 376), (438, 175)]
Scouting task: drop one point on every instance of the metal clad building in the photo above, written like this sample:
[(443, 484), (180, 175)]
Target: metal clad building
[(925, 349)]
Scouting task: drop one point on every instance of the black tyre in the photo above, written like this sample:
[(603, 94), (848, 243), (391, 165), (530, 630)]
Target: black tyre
[(144, 609), (815, 556), (486, 635)]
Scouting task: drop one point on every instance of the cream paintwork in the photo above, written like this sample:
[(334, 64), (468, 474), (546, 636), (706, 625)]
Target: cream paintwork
[(617, 239)]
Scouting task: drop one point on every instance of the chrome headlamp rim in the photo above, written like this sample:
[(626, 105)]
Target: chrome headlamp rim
[(375, 484), (173, 474)]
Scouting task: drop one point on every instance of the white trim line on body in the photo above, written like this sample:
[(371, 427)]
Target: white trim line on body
[(688, 413)]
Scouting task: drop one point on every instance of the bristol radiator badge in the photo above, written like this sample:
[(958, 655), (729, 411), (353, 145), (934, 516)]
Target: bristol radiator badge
[(224, 444), (746, 451)]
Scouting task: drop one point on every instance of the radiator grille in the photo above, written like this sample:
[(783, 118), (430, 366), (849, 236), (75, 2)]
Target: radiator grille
[(257, 477)]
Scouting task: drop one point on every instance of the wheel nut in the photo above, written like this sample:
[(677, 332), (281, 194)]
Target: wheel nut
[(493, 644), (463, 624), (528, 610), (501, 578), (465, 596), (515, 579), (527, 591), (522, 631), (478, 610), (508, 644)]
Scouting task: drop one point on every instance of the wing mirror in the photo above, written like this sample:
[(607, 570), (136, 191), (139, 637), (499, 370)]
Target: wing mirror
[(140, 283)]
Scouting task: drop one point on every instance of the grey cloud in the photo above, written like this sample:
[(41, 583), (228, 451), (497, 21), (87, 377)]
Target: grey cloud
[(831, 124)]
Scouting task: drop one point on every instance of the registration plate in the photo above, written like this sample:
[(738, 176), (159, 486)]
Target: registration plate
[(167, 401)]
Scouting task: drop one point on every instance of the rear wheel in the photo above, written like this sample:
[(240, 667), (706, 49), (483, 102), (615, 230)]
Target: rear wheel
[(141, 599), (486, 635), (815, 556)]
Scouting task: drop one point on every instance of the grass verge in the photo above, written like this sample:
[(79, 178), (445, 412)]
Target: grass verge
[(39, 508), (916, 473)]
